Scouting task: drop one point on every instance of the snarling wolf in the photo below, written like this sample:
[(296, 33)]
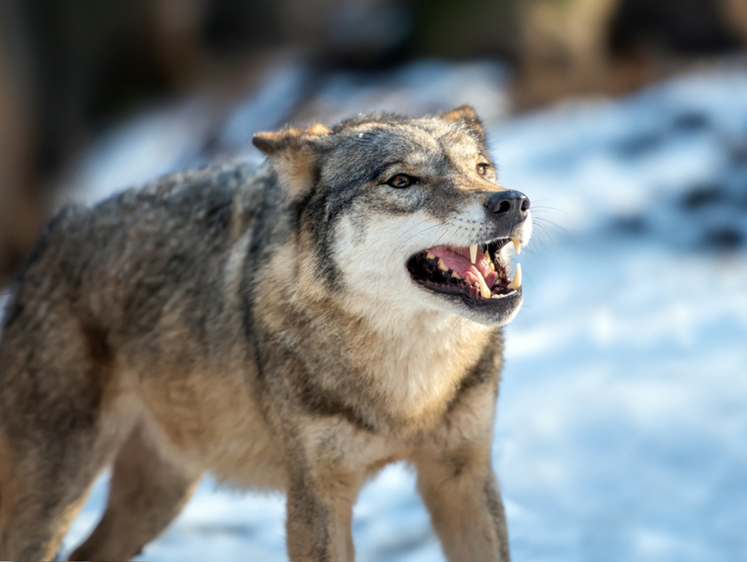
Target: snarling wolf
[(297, 327)]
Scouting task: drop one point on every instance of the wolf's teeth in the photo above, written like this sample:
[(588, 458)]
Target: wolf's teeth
[(484, 289), (473, 253), (517, 245), (516, 283), (490, 260), (455, 275), (430, 256), (442, 266)]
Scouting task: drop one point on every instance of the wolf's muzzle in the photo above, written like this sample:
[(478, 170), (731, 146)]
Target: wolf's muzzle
[(511, 206)]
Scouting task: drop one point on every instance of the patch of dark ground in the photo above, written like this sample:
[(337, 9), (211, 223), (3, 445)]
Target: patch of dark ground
[(707, 216)]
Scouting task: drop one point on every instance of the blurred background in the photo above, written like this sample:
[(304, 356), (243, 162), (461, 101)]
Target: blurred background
[(622, 421)]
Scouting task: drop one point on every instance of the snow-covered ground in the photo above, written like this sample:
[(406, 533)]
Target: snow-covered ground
[(622, 419), (622, 431)]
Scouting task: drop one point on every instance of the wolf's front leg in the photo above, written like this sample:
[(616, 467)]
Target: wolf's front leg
[(461, 493), (324, 482), (318, 525)]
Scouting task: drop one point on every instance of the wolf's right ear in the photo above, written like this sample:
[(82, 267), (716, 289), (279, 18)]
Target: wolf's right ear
[(293, 155), (466, 116), (464, 113)]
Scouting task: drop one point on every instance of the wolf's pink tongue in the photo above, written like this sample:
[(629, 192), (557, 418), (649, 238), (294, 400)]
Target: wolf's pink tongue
[(457, 259)]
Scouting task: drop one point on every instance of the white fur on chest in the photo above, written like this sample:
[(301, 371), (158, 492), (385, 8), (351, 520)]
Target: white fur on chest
[(417, 363)]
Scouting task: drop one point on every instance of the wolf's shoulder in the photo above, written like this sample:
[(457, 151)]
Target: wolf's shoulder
[(195, 209), (191, 189), (210, 198)]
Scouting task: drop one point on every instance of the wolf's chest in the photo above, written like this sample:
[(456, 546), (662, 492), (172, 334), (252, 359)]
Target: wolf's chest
[(417, 377)]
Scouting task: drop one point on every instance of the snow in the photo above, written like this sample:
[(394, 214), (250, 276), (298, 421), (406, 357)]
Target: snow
[(154, 143), (622, 418)]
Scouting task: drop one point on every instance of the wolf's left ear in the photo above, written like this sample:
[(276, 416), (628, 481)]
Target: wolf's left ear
[(293, 156), (296, 138)]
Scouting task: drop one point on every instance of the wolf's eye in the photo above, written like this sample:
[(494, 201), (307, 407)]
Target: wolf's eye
[(401, 180), (482, 168)]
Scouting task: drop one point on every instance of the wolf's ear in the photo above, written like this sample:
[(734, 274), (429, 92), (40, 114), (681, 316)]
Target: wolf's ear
[(296, 138), (292, 154), (467, 116), (462, 113)]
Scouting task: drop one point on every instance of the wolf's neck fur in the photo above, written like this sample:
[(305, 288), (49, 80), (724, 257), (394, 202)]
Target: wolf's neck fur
[(411, 363)]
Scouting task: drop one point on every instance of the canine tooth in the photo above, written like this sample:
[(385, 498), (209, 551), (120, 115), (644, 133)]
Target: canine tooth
[(484, 290), (516, 283), (455, 275), (490, 260), (442, 266), (430, 256), (473, 253), (517, 245)]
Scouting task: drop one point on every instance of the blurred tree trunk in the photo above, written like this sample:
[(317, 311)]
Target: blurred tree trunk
[(21, 214), (563, 47), (735, 12), (569, 47)]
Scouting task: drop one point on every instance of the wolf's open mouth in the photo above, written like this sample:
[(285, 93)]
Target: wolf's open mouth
[(475, 271)]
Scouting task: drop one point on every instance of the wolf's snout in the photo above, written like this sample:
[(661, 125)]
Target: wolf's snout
[(509, 203)]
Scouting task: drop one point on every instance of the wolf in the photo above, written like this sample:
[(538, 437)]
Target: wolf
[(296, 327)]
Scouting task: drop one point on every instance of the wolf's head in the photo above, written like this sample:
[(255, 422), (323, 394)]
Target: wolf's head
[(404, 213)]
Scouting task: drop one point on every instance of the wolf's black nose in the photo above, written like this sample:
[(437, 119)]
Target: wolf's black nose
[(512, 202)]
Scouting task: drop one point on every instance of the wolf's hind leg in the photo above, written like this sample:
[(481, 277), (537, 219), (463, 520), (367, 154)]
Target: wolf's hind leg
[(56, 434), (147, 491), (44, 482), (36, 511)]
